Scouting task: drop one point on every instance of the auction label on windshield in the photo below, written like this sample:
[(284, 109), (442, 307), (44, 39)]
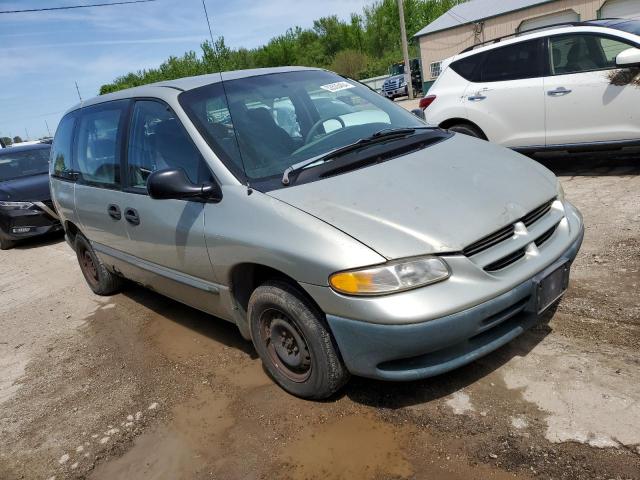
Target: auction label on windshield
[(336, 87)]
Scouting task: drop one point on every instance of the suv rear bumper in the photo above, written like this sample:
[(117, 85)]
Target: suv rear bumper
[(420, 350)]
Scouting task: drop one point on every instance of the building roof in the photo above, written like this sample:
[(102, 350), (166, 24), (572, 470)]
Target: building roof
[(474, 11)]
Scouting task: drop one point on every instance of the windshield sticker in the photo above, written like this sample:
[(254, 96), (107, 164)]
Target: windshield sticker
[(336, 87)]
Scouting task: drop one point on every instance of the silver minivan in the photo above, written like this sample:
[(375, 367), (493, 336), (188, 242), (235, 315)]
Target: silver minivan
[(339, 232)]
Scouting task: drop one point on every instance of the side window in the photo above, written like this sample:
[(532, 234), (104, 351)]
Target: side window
[(583, 53), (61, 163), (513, 62), (467, 67), (157, 140), (97, 148), (209, 111)]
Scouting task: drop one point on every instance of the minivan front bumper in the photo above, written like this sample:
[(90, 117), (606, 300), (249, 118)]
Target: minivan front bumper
[(412, 351)]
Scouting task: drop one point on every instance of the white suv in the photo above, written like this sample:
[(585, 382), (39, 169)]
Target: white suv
[(564, 88)]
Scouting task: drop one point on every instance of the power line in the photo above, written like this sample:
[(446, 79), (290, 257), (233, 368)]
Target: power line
[(207, 16), (70, 7)]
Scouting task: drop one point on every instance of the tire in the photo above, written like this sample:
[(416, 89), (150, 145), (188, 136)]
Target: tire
[(100, 280), (294, 342), (6, 244), (467, 129)]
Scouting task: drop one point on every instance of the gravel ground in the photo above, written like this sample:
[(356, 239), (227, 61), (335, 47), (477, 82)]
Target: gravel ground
[(139, 386)]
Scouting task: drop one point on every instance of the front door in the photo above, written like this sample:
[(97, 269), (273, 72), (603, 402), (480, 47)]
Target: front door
[(506, 100), (166, 237), (584, 101)]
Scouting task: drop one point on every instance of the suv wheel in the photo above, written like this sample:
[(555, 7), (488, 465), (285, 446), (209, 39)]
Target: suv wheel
[(100, 280), (6, 244), (467, 129), (294, 342)]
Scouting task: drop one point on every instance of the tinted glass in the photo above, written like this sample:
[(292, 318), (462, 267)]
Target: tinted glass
[(631, 26), (61, 163), (23, 163), (513, 62), (157, 140), (97, 149), (467, 67), (584, 53), (285, 118)]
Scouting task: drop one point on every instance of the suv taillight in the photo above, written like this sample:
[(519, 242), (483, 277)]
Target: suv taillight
[(426, 101)]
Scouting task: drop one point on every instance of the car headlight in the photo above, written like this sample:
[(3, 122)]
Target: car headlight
[(390, 277), (559, 191), (15, 205)]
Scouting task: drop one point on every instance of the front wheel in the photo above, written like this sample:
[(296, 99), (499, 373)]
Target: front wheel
[(294, 342)]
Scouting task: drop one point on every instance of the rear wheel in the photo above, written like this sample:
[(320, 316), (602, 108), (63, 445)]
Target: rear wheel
[(467, 129), (294, 342), (6, 244), (99, 279)]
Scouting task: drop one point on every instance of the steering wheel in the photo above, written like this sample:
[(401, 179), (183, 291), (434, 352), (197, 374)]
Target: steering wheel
[(318, 124)]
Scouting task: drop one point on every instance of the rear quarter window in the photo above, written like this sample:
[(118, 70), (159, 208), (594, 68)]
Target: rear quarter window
[(61, 165), (468, 67)]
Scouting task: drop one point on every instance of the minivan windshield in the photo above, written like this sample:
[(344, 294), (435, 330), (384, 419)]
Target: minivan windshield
[(16, 163), (267, 123)]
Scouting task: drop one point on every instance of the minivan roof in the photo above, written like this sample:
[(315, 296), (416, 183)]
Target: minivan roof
[(186, 83)]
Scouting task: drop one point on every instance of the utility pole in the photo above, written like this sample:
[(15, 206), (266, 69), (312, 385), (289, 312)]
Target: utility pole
[(405, 50), (49, 131), (27, 132), (78, 90)]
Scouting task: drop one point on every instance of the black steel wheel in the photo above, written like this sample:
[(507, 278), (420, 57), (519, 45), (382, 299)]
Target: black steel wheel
[(294, 342), (98, 277)]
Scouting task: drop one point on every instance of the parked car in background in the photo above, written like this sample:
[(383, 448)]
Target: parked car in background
[(396, 86), (338, 232), (562, 88), (26, 209)]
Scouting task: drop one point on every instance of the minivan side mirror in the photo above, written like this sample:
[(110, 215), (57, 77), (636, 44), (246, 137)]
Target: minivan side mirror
[(628, 58), (173, 183), (418, 112)]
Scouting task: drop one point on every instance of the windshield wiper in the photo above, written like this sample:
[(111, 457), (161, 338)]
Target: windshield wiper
[(379, 136)]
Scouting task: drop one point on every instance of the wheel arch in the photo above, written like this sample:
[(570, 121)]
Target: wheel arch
[(450, 122), (71, 231), (245, 277)]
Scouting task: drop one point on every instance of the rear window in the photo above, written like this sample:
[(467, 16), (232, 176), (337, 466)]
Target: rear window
[(513, 62), (631, 26)]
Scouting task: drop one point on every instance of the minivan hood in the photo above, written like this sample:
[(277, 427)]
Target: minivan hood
[(439, 199)]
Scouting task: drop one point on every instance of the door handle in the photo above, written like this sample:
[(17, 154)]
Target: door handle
[(131, 216), (114, 211), (477, 97), (558, 92)]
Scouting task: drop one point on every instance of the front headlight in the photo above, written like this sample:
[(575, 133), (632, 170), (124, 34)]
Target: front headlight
[(559, 191), (15, 205), (390, 277)]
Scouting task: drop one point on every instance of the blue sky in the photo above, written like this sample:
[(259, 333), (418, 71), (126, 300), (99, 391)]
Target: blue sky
[(43, 53)]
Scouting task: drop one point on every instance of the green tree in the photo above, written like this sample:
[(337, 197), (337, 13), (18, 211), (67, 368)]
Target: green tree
[(6, 140), (350, 63), (17, 139)]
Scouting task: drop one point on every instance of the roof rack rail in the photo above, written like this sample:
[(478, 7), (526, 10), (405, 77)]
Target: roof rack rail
[(545, 27)]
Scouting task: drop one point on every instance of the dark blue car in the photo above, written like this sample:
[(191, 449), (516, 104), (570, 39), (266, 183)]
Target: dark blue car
[(26, 209)]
